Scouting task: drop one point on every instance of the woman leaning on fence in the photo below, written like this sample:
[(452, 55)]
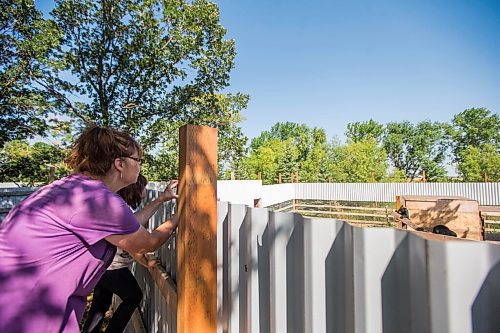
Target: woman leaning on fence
[(118, 279), (56, 244)]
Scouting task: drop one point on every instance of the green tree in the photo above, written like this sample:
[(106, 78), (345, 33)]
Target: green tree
[(336, 154), (162, 161), (28, 164), (359, 131), (28, 43), (476, 161), (474, 128), (138, 63), (313, 168), (307, 150), (266, 160), (414, 148), (364, 162)]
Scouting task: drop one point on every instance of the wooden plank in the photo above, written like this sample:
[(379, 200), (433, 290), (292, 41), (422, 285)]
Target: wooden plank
[(381, 223), (165, 285), (338, 213), (197, 234), (490, 209), (486, 214), (341, 207), (284, 208)]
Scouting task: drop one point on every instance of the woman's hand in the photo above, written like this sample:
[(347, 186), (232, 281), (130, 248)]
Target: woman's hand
[(169, 194), (147, 260)]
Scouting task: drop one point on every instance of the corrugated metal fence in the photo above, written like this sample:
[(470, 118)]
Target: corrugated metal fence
[(486, 193), (281, 272), (246, 191)]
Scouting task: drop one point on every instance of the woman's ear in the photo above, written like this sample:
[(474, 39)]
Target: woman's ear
[(118, 164)]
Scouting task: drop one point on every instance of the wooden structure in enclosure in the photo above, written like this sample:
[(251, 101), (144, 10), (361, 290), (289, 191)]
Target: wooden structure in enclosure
[(458, 214)]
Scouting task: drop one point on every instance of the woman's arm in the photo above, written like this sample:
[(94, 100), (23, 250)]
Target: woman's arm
[(145, 213), (143, 241)]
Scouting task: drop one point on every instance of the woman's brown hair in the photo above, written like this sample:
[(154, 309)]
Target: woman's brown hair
[(97, 147), (132, 194)]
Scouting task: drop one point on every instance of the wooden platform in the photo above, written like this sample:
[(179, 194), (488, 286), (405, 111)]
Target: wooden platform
[(459, 214)]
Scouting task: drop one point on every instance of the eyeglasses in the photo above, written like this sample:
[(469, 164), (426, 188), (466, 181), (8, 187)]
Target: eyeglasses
[(137, 159)]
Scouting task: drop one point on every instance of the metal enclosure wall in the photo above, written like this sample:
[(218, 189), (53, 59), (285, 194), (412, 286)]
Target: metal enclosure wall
[(284, 273)]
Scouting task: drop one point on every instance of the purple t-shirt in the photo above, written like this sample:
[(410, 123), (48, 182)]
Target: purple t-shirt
[(53, 252)]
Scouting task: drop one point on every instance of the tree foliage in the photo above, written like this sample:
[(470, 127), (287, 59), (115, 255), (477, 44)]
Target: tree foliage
[(414, 148), (295, 147), (141, 62), (28, 164), (476, 144), (162, 162), (289, 147), (361, 161), (474, 128), (360, 131), (27, 44), (475, 162)]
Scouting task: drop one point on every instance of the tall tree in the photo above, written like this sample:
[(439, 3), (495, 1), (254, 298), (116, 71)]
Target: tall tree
[(140, 62), (474, 128), (27, 44), (363, 162), (475, 162), (415, 148), (308, 154), (360, 131), (162, 161)]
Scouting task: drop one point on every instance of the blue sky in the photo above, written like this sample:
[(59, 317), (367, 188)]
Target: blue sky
[(329, 63)]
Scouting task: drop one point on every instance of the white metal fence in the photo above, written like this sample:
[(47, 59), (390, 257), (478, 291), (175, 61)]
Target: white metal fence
[(487, 194), (280, 272), (245, 191)]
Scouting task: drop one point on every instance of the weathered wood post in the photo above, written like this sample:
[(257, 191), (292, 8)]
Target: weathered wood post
[(197, 233), (485, 177), (291, 177), (259, 175), (279, 178), (423, 176), (296, 176), (52, 171), (233, 177)]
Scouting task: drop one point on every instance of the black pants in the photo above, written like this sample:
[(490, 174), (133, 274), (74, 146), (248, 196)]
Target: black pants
[(122, 283)]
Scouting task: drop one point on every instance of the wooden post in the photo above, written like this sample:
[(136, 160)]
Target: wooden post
[(423, 176), (232, 175), (296, 176), (399, 225), (279, 178), (291, 177), (329, 179), (197, 234), (373, 177), (52, 170), (485, 177), (259, 175)]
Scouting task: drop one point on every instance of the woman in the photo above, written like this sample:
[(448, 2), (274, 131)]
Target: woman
[(57, 243), (118, 279)]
